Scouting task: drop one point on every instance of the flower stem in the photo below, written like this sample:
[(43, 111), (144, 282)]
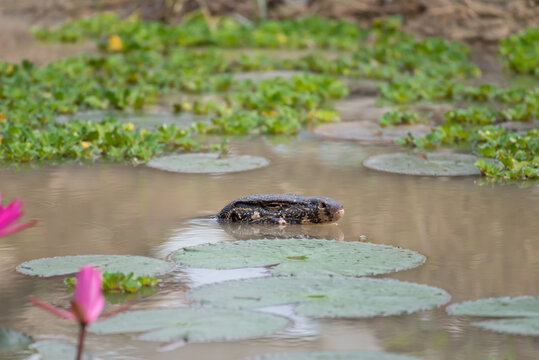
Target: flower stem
[(80, 347)]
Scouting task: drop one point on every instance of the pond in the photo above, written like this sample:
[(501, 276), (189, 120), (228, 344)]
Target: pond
[(479, 241)]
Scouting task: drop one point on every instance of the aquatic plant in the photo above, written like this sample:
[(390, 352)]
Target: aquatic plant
[(118, 281), (87, 303), (9, 214), (520, 52)]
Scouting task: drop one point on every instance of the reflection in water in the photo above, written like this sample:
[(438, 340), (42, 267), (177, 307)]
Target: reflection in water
[(243, 231), (479, 242)]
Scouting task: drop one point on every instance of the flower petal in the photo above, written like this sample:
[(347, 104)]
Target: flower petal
[(52, 309), (10, 213), (88, 292), (11, 229)]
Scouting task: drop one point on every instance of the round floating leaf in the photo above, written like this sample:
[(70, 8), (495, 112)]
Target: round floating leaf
[(370, 132), (256, 76), (520, 326), (433, 165), (498, 307), (12, 340), (62, 265), (56, 350), (335, 296), (207, 163), (302, 256), (334, 355), (191, 324)]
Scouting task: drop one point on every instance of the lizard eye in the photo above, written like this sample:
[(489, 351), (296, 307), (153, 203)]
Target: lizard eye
[(273, 206)]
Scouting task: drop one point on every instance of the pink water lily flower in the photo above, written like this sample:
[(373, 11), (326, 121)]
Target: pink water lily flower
[(87, 303), (10, 214)]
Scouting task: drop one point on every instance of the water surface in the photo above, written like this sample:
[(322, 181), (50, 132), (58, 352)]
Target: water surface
[(480, 241)]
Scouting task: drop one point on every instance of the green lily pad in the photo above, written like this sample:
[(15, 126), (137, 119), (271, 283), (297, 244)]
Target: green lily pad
[(207, 163), (521, 306), (524, 307), (56, 350), (370, 132), (63, 265), (12, 340), (334, 355), (321, 297), (191, 324), (520, 326), (433, 165), (302, 256)]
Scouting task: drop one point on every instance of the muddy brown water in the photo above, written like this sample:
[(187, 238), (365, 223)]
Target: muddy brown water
[(480, 241)]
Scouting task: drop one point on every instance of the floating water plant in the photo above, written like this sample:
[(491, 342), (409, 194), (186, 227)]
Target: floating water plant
[(120, 282), (57, 350), (191, 324), (207, 163), (302, 257), (324, 296), (334, 355), (522, 311), (11, 340), (63, 265), (432, 164)]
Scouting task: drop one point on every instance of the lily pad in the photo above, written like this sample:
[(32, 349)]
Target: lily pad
[(520, 326), (62, 265), (302, 256), (334, 355), (191, 324), (207, 163), (56, 350), (324, 297), (12, 340), (370, 132), (526, 308), (520, 306), (433, 165)]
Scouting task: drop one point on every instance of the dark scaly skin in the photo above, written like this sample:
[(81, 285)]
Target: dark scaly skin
[(282, 209)]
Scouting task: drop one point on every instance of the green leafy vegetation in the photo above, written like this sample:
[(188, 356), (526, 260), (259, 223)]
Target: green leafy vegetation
[(120, 282), (140, 63), (521, 51)]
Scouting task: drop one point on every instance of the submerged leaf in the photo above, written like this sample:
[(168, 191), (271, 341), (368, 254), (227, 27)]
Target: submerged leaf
[(62, 265), (324, 296), (191, 324), (302, 256)]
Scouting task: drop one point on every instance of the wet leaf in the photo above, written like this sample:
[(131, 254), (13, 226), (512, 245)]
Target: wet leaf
[(191, 324), (56, 350), (12, 340), (207, 163), (432, 165), (370, 132), (520, 326), (62, 265), (524, 307), (521, 306), (302, 256), (334, 355), (324, 296)]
